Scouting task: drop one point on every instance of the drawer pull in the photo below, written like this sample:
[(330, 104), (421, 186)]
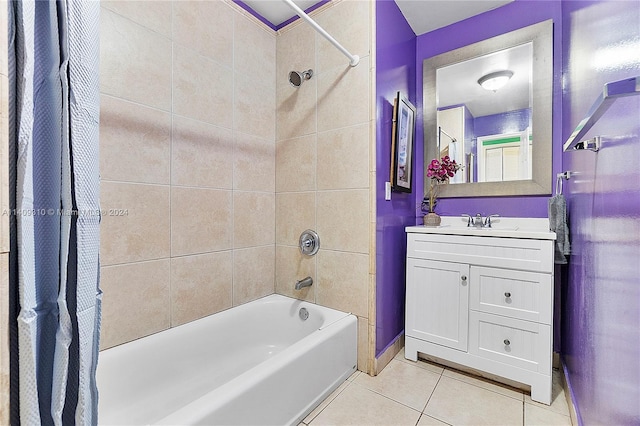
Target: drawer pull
[(507, 294), (464, 278), (506, 342)]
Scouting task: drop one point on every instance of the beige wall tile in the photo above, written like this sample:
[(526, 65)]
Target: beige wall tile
[(143, 231), (343, 220), (292, 266), (343, 281), (205, 26), (254, 107), (254, 219), (296, 164), (363, 345), (254, 51), (155, 15), (343, 158), (135, 142), (201, 220), (295, 212), (254, 163), (202, 154), (372, 152), (202, 88), (135, 301), (135, 62), (5, 405), (348, 22), (296, 109), (343, 97), (200, 285), (4, 40), (254, 272), (295, 50), (372, 294)]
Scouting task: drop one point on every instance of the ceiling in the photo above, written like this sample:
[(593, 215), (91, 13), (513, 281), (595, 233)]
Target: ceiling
[(458, 83), (422, 15)]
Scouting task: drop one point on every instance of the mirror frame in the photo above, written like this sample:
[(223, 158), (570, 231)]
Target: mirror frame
[(541, 35)]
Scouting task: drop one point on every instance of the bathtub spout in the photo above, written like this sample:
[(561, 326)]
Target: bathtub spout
[(306, 282)]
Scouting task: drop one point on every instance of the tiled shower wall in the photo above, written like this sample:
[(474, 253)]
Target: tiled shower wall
[(212, 164), (187, 147), (325, 164)]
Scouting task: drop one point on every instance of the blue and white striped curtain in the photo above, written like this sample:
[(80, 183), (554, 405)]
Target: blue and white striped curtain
[(54, 57)]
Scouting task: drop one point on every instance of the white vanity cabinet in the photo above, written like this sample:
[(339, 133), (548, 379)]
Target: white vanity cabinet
[(482, 302)]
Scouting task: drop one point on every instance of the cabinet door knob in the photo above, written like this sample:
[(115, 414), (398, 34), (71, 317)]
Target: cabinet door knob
[(464, 278), (507, 294), (506, 342)]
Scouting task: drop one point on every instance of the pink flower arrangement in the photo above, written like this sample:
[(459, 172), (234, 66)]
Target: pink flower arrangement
[(440, 171)]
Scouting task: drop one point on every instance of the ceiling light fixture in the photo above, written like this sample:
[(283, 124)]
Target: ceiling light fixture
[(495, 80)]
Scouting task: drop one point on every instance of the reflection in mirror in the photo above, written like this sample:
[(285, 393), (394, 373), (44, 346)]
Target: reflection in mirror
[(488, 106), (484, 115)]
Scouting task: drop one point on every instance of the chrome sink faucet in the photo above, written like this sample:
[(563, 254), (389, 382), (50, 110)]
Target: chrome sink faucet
[(478, 222)]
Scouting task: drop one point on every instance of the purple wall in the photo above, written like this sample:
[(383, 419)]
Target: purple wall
[(506, 122), (518, 14), (601, 309), (395, 69)]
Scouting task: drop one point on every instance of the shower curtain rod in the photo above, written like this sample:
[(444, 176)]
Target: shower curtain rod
[(447, 135), (353, 59)]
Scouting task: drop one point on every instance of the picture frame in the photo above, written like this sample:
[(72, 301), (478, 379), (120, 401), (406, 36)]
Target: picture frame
[(402, 143)]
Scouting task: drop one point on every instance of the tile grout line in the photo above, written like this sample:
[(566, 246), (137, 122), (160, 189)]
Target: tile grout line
[(385, 396), (431, 394), (349, 383)]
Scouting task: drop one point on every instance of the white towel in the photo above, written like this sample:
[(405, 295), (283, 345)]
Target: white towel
[(558, 224)]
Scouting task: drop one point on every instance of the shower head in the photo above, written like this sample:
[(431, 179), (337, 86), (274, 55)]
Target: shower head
[(296, 78)]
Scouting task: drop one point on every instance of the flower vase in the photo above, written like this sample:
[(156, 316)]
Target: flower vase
[(432, 219)]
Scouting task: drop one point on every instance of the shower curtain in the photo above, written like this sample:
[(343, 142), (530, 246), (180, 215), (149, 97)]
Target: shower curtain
[(54, 270)]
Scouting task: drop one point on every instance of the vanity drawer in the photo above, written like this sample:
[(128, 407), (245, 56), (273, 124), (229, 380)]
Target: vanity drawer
[(523, 344), (516, 294), (510, 253)]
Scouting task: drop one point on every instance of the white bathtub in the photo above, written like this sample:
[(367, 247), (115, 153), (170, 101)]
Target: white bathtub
[(255, 364)]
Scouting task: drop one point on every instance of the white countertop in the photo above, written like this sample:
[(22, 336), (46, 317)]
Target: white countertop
[(506, 227)]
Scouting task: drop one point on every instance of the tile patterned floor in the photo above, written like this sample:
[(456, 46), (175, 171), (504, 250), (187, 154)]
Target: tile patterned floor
[(426, 394)]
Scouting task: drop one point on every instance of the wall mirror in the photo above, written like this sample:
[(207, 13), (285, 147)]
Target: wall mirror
[(500, 134)]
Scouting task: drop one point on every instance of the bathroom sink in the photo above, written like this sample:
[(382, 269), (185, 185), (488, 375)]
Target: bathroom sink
[(494, 227), (504, 227)]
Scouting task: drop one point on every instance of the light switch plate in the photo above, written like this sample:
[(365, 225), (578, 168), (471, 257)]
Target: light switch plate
[(387, 191)]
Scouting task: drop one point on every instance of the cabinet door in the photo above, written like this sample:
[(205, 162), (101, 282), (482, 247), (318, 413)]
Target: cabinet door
[(437, 302)]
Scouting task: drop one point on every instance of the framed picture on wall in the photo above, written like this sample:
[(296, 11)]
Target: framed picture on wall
[(402, 141)]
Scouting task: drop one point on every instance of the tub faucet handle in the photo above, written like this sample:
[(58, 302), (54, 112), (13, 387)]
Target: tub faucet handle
[(309, 242)]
